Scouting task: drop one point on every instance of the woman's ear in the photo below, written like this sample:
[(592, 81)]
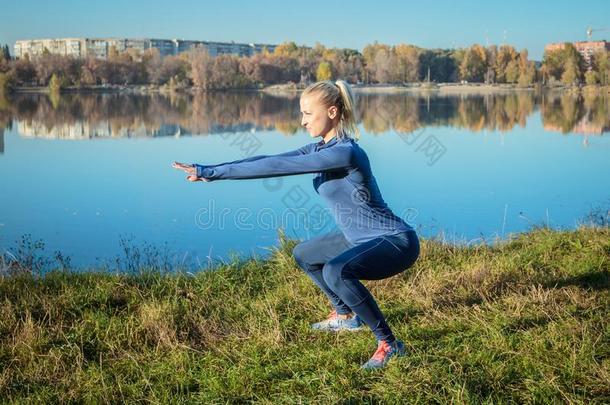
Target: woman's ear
[(332, 111)]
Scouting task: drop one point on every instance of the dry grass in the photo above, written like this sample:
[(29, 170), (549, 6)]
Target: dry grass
[(525, 321)]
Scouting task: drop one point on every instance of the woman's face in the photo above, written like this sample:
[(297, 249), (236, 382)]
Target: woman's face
[(317, 119)]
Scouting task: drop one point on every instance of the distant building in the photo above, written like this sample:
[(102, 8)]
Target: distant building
[(101, 47), (585, 48)]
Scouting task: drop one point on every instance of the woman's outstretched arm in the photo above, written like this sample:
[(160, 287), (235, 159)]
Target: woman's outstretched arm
[(300, 151), (339, 156)]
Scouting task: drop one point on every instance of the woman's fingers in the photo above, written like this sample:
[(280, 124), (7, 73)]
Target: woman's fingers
[(190, 170), (186, 168), (179, 165), (195, 178)]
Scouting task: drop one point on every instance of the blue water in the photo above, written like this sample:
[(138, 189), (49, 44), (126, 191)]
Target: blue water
[(81, 196)]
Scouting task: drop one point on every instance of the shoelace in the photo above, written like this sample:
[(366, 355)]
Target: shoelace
[(382, 351)]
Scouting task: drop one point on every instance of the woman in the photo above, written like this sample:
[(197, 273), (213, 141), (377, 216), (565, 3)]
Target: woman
[(372, 244)]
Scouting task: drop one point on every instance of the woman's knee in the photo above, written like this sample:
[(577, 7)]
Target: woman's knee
[(299, 252), (331, 272)]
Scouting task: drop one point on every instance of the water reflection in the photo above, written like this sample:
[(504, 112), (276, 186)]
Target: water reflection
[(588, 114), (86, 116)]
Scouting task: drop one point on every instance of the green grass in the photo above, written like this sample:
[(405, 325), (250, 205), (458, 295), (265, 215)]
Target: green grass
[(522, 321)]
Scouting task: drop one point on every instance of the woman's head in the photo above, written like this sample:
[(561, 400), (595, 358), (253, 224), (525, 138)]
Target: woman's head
[(327, 107)]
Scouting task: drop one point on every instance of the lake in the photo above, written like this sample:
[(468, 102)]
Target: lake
[(90, 175)]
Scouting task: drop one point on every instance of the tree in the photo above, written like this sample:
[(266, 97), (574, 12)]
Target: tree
[(377, 64), (570, 73), (90, 72), (226, 73), (527, 74), (506, 54), (511, 73), (601, 64), (24, 72), (289, 49), (565, 63), (324, 71), (383, 64), (4, 60), (407, 58), (65, 66), (527, 70), (492, 58), (171, 66), (474, 64), (6, 83), (201, 68), (591, 77), (151, 59), (441, 64), (56, 83)]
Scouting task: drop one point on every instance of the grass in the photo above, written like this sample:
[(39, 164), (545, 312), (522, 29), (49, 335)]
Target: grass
[(522, 321)]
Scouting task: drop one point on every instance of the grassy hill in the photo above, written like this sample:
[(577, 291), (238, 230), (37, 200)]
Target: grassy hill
[(523, 321)]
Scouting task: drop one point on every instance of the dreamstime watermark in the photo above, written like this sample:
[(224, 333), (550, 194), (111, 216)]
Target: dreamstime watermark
[(313, 218), (247, 142), (430, 145), (300, 211)]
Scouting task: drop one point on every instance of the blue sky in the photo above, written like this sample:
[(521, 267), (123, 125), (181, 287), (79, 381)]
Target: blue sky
[(441, 23)]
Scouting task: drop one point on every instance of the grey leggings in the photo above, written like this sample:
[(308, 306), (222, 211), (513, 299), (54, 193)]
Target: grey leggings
[(336, 266)]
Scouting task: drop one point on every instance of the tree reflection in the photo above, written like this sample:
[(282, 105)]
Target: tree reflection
[(587, 113), (84, 116)]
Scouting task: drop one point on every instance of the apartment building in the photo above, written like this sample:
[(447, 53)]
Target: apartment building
[(585, 48), (101, 47)]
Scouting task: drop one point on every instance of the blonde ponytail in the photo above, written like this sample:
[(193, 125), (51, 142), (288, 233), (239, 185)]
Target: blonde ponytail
[(340, 95)]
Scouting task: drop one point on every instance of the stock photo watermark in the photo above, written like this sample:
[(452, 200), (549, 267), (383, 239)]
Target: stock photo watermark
[(247, 142), (432, 148), (313, 218), (301, 212)]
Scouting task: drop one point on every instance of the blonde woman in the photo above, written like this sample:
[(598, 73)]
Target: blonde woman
[(372, 242)]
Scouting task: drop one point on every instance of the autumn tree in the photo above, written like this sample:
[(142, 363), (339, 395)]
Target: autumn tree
[(565, 64), (407, 63), (527, 70), (474, 64), (591, 77), (570, 73), (287, 49), (201, 68), (506, 55), (511, 73), (601, 65), (324, 71)]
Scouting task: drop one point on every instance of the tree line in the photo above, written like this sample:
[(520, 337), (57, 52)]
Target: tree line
[(376, 64)]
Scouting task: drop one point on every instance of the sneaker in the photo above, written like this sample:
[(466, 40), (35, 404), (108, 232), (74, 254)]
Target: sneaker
[(385, 351), (333, 323)]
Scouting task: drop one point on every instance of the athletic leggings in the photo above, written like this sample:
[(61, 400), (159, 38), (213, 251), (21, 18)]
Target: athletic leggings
[(336, 266)]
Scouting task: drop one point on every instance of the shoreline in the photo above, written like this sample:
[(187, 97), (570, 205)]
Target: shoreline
[(441, 88)]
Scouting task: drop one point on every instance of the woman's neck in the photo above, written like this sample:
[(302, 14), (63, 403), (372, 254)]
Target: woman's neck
[(330, 135)]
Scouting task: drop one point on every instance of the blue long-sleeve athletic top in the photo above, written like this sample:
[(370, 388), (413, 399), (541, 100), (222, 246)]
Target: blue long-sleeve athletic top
[(343, 178)]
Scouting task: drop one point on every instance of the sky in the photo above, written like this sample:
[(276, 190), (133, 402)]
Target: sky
[(429, 24)]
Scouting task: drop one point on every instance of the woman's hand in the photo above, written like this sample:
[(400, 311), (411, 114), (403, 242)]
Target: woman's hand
[(190, 170)]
